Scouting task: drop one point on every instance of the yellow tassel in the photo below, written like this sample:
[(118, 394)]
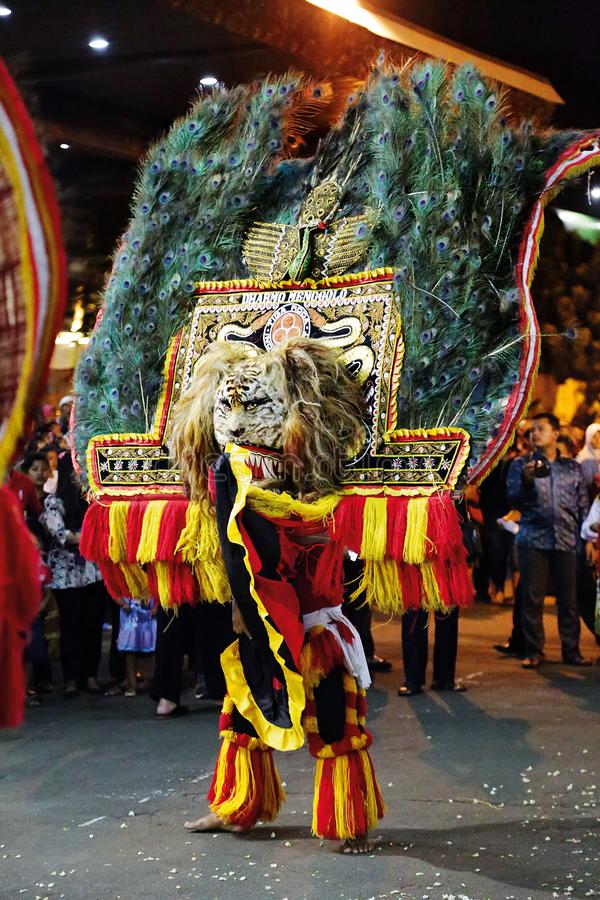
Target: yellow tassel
[(137, 581), (148, 545), (245, 785), (199, 546), (374, 537), (381, 583), (221, 771), (117, 524), (283, 506), (432, 599), (416, 530), (163, 582), (344, 818), (372, 790), (273, 792)]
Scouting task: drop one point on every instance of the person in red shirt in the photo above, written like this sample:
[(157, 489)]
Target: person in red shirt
[(23, 488)]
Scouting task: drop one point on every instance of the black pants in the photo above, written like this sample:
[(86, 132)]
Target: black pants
[(516, 640), (497, 546), (586, 594), (415, 647), (201, 631), (81, 617), (358, 611), (540, 571)]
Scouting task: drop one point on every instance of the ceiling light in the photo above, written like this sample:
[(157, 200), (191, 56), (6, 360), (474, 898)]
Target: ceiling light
[(98, 43), (595, 192), (5, 11), (64, 146), (209, 81)]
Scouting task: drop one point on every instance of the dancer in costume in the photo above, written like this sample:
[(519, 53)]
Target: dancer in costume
[(405, 246), (287, 420)]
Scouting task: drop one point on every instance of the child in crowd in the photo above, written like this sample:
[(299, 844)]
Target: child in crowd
[(137, 634)]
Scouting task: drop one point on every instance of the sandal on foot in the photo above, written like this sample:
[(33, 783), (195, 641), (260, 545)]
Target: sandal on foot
[(532, 662), (406, 691)]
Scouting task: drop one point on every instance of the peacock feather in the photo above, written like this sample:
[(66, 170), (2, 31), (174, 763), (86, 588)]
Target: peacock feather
[(430, 168)]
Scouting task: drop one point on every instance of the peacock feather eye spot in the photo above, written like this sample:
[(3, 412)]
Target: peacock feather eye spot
[(136, 407), (128, 330), (519, 163), (164, 197), (103, 406), (491, 102), (145, 208), (189, 287), (174, 165), (459, 95), (164, 218)]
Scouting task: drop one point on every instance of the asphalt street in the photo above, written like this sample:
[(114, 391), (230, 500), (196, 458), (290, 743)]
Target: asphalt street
[(491, 794)]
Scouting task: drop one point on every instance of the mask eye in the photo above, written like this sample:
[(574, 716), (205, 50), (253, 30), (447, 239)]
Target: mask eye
[(250, 407), (225, 403)]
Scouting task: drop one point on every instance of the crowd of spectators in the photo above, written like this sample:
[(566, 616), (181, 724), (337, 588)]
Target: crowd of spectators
[(530, 530)]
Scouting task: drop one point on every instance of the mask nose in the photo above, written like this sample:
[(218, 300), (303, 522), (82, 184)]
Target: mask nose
[(236, 432)]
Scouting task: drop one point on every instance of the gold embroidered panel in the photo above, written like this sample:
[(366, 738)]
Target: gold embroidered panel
[(359, 314)]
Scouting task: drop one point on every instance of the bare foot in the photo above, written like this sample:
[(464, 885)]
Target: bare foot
[(360, 844), (165, 707), (211, 822)]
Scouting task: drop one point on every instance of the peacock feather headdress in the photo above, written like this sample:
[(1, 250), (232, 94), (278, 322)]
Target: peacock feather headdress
[(424, 184)]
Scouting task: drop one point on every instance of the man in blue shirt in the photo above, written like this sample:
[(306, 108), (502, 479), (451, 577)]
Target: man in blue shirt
[(550, 492)]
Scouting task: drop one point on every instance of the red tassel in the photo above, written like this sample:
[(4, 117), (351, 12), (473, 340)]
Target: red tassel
[(348, 522), (171, 528), (324, 813), (95, 533), (397, 509), (135, 517), (410, 579), (113, 579), (183, 586), (328, 579)]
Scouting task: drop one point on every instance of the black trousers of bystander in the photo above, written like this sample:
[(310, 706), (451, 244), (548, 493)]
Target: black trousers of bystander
[(543, 572), (415, 634), (81, 612), (202, 631)]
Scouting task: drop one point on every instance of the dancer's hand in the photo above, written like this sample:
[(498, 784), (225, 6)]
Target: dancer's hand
[(237, 621)]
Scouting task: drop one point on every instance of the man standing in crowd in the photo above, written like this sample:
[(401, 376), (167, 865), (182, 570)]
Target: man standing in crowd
[(550, 492)]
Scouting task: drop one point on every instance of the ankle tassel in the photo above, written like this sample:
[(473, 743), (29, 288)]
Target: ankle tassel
[(246, 786), (347, 799)]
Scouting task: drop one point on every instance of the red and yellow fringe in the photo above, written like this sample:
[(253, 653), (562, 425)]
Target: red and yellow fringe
[(169, 549), (347, 801), (246, 786)]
